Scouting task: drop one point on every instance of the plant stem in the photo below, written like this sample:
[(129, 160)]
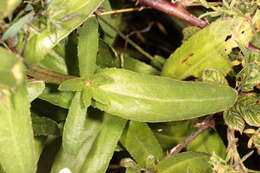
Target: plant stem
[(127, 39), (175, 9), (48, 76), (207, 123)]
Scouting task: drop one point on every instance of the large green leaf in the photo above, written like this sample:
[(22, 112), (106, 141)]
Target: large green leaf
[(65, 16), (11, 69), (88, 47), (208, 48), (103, 149), (141, 143), (17, 152), (74, 162), (191, 162)]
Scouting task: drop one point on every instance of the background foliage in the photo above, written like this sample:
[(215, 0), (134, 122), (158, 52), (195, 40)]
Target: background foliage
[(93, 86)]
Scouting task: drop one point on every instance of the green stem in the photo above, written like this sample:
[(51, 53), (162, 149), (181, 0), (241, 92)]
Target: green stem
[(127, 39), (47, 75)]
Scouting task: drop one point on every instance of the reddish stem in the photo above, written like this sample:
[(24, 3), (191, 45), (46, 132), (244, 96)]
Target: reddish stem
[(175, 9)]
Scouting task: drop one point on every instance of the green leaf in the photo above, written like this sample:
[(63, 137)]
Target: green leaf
[(208, 48), (44, 126), (55, 97), (109, 33), (11, 69), (150, 98), (208, 142), (192, 162), (107, 57), (17, 26), (141, 143), (7, 7), (73, 162), (17, 152), (103, 149), (66, 17), (75, 133), (55, 60), (88, 47), (234, 120), (214, 76), (35, 88), (75, 84), (250, 74), (249, 108), (189, 31), (251, 114)]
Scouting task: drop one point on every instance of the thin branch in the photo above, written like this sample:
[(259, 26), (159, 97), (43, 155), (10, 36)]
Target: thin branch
[(127, 39), (175, 9), (207, 123)]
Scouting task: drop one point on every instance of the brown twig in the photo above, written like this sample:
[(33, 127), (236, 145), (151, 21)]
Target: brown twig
[(175, 9), (207, 123)]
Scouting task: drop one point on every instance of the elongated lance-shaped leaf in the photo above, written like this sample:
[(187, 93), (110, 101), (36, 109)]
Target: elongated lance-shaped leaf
[(109, 33), (192, 162), (234, 120), (16, 27), (17, 152), (103, 149), (35, 88), (88, 47), (7, 7), (11, 69), (152, 98), (64, 17), (73, 162), (141, 143), (208, 48), (75, 132)]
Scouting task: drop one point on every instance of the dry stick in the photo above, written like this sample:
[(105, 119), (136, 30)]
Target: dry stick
[(207, 123), (175, 9)]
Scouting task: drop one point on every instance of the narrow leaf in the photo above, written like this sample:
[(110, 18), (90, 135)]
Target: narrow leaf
[(109, 33), (17, 26), (11, 69), (35, 88), (191, 162), (88, 47), (17, 152), (141, 143), (75, 133), (103, 149), (234, 120), (73, 162)]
